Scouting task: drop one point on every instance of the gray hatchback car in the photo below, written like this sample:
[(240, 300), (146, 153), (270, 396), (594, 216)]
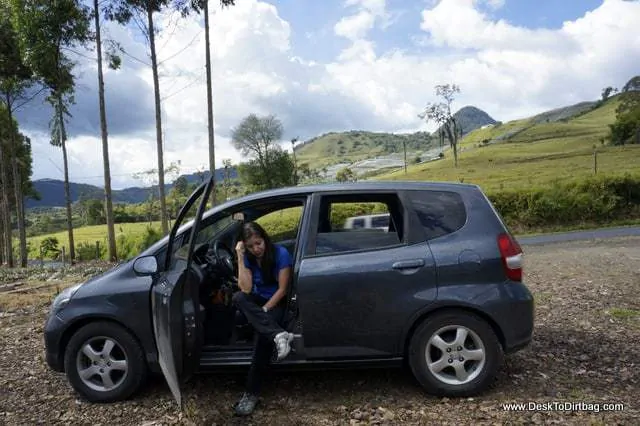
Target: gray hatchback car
[(439, 289)]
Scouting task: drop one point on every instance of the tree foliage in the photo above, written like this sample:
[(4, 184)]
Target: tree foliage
[(346, 174), (276, 172), (440, 113), (257, 138), (47, 30), (626, 128)]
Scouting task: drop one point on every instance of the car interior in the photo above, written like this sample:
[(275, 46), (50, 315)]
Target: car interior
[(215, 264)]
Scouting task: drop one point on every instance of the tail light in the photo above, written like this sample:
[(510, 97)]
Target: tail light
[(511, 254)]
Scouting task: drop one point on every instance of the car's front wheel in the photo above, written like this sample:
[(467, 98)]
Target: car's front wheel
[(104, 362), (455, 354)]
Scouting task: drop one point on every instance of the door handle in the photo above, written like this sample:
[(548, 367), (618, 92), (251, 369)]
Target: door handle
[(408, 264)]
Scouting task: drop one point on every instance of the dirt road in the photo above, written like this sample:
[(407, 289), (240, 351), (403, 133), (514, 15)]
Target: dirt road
[(585, 354)]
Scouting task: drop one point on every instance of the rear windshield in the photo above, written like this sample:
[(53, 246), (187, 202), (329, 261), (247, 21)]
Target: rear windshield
[(440, 212)]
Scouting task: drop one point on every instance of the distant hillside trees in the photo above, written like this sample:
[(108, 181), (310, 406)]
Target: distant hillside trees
[(607, 92), (440, 113), (269, 165), (626, 128), (346, 175)]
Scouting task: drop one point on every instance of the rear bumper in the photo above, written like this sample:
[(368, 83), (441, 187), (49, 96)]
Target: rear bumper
[(514, 314)]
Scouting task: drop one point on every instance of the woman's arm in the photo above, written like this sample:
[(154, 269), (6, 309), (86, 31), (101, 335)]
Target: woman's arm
[(245, 278), (283, 282)]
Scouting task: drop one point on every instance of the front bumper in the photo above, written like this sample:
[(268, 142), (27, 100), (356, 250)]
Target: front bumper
[(53, 331)]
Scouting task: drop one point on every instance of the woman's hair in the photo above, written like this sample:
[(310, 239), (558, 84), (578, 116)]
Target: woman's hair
[(249, 230)]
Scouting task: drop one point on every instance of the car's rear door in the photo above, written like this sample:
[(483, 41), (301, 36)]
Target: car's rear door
[(357, 289), (175, 303)]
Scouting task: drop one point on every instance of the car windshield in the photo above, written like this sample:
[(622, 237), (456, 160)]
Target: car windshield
[(206, 234)]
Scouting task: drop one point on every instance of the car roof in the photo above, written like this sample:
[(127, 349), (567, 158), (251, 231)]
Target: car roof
[(337, 187)]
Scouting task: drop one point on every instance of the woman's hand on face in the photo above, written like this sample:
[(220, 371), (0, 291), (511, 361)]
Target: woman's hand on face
[(240, 248)]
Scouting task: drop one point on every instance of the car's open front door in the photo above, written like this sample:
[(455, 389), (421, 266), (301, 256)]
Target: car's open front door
[(175, 304)]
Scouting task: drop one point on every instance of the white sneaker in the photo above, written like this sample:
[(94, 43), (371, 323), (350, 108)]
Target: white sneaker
[(283, 341)]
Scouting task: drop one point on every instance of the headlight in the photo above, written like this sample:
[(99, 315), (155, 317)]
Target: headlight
[(63, 298)]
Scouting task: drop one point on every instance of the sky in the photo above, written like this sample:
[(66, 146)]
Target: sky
[(330, 66)]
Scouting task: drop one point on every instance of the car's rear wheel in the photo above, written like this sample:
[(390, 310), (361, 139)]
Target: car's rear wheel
[(455, 354), (104, 362)]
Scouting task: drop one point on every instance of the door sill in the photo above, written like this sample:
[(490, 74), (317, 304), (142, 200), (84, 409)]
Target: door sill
[(229, 358)]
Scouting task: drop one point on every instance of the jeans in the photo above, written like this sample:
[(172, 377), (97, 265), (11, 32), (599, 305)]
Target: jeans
[(267, 326)]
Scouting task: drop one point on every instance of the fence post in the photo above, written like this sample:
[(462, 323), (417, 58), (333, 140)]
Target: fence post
[(595, 161), (97, 250), (64, 257)]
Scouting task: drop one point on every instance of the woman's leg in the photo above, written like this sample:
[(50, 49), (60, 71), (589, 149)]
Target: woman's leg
[(262, 353), (263, 322)]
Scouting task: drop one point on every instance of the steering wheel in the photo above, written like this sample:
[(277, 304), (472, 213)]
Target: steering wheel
[(222, 256)]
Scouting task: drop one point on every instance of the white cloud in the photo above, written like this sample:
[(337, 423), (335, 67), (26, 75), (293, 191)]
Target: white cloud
[(355, 27), (506, 70), (495, 4)]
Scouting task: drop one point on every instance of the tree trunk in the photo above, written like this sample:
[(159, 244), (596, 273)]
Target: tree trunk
[(453, 143), (212, 151), (5, 209), (67, 194), (111, 235), (17, 188), (156, 89), (17, 191), (2, 251)]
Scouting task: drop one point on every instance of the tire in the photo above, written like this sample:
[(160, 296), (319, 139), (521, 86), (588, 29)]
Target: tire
[(121, 361), (474, 373)]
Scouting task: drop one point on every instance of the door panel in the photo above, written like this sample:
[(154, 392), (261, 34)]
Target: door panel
[(166, 306), (175, 303), (357, 304)]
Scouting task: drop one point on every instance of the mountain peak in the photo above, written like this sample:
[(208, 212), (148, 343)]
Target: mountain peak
[(471, 118)]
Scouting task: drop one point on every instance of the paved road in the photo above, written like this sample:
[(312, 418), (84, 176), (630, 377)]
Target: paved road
[(581, 235)]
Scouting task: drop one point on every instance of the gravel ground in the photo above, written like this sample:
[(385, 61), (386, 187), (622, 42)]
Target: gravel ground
[(585, 351)]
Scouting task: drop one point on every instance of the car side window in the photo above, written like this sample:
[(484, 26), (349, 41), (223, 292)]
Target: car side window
[(346, 223), (440, 212)]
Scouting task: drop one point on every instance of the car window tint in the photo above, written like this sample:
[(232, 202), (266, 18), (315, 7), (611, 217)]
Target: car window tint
[(440, 212), (364, 223)]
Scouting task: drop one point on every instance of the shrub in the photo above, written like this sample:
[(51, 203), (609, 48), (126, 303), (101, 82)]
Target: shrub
[(595, 200), (86, 251)]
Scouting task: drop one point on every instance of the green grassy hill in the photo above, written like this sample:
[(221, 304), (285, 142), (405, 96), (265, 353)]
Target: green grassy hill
[(333, 148), (522, 153)]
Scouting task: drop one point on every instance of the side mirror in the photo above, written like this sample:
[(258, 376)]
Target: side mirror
[(146, 265)]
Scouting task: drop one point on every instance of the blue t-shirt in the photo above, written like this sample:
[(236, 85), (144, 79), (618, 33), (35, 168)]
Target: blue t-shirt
[(282, 260)]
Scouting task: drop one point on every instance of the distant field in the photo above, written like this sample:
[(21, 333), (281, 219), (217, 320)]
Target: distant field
[(91, 234), (501, 167)]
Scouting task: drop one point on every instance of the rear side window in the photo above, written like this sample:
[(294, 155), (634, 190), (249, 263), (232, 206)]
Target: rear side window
[(440, 212)]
